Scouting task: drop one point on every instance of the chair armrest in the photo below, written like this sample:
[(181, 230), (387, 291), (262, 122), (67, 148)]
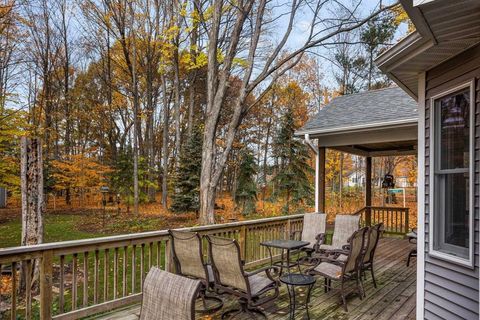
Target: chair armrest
[(294, 233), (267, 270), (320, 240)]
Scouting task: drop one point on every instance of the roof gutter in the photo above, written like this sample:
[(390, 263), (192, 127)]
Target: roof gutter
[(311, 144), (402, 122)]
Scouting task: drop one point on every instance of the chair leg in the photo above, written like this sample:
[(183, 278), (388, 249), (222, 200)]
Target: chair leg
[(361, 292), (214, 305), (412, 253), (244, 309), (373, 276), (344, 300), (325, 288)]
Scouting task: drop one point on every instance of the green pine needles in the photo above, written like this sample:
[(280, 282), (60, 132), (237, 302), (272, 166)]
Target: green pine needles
[(186, 184), (246, 191), (291, 181)]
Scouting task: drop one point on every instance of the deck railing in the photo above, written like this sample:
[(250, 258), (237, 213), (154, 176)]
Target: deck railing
[(395, 219), (79, 278)]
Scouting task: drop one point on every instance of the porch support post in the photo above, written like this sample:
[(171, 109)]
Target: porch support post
[(368, 191), (319, 174), (320, 180)]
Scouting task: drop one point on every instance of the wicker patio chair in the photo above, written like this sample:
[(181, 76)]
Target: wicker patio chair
[(252, 289), (342, 271), (167, 296), (189, 262), (313, 231), (345, 226)]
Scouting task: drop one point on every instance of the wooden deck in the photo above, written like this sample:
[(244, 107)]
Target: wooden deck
[(394, 297)]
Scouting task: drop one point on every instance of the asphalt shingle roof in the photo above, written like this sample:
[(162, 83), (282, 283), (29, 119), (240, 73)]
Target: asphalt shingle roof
[(371, 107)]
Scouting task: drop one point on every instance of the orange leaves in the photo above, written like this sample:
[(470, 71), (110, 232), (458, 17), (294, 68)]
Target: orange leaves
[(80, 172)]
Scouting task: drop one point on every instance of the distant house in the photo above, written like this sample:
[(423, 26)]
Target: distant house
[(355, 178), (402, 182)]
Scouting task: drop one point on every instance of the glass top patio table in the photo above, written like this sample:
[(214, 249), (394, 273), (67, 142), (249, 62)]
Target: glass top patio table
[(285, 245)]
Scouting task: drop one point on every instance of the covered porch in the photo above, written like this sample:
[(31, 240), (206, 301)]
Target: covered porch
[(378, 123)]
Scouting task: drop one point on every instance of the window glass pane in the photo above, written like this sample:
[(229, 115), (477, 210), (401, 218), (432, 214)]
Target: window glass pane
[(452, 122), (452, 227)]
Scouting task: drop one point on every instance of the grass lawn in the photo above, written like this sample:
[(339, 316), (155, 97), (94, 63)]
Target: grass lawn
[(57, 228)]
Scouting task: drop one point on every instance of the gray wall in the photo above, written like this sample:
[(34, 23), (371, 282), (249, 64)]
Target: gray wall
[(451, 291)]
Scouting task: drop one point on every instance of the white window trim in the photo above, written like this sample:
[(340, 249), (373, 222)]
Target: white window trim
[(432, 252)]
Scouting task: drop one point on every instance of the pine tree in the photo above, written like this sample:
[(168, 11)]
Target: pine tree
[(291, 181), (246, 194), (187, 179)]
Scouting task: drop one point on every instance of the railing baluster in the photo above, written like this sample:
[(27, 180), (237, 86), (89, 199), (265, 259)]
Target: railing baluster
[(106, 272), (407, 225), (74, 282), (61, 298), (159, 258), (124, 273), (85, 279), (115, 273), (142, 266), (28, 289), (134, 267), (96, 275), (150, 254), (13, 312)]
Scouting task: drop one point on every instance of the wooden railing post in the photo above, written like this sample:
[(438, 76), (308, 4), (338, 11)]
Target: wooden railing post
[(169, 265), (243, 242), (368, 192), (46, 274)]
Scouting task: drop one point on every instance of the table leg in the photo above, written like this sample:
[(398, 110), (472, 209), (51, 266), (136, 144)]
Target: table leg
[(288, 261)]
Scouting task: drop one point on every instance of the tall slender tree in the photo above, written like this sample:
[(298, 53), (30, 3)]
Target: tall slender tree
[(292, 178)]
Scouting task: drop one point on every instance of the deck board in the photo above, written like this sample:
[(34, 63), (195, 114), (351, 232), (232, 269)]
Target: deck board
[(394, 297)]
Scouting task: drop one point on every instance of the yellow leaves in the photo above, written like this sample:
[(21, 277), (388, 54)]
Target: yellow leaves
[(190, 61), (402, 17), (79, 172), (241, 62)]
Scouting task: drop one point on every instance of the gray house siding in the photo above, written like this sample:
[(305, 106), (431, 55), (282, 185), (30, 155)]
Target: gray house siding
[(451, 291)]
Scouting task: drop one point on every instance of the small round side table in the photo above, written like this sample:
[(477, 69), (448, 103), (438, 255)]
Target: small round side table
[(293, 280)]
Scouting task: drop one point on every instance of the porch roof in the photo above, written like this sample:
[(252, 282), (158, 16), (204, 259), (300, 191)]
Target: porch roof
[(373, 123)]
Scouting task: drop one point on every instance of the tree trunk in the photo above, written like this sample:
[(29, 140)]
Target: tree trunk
[(33, 204), (165, 143), (136, 120)]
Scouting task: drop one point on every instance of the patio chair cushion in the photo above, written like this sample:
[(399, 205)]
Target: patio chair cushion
[(168, 296), (258, 283), (329, 247), (329, 269), (342, 258)]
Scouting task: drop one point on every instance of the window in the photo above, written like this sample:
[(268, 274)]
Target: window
[(451, 175)]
